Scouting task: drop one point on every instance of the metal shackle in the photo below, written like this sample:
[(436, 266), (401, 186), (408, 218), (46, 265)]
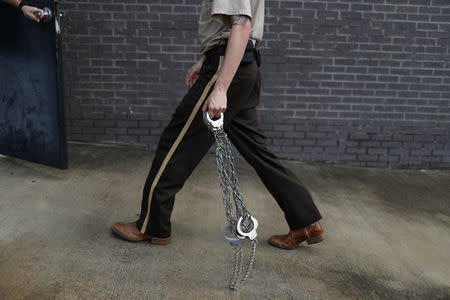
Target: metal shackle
[(213, 124), (252, 233)]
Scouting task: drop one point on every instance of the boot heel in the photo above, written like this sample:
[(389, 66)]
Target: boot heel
[(315, 239), (160, 241)]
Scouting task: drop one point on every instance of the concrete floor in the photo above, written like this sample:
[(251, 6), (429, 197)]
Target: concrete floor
[(387, 233)]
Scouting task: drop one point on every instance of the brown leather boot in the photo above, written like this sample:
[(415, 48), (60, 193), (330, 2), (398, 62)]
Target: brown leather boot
[(130, 232), (311, 233)]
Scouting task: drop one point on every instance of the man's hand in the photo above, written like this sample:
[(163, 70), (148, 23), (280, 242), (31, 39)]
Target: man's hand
[(216, 103), (193, 73), (29, 12)]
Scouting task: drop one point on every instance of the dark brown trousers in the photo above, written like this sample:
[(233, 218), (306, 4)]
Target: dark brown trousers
[(186, 140)]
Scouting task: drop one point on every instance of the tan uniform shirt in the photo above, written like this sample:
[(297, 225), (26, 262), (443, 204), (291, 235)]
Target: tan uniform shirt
[(214, 25)]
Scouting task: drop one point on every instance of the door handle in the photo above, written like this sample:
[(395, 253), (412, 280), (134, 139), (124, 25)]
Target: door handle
[(48, 15)]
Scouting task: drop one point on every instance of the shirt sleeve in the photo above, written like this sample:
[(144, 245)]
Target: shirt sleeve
[(231, 7)]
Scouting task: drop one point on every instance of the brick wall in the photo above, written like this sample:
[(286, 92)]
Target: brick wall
[(358, 82)]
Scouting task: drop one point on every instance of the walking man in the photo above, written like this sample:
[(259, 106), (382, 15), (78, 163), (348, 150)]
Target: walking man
[(226, 79)]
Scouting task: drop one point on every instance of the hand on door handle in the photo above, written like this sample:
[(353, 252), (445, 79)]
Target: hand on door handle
[(46, 15), (31, 12)]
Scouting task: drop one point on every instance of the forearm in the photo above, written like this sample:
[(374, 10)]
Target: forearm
[(237, 42), (14, 3)]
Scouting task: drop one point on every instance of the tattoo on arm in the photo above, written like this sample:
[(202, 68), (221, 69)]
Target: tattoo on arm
[(239, 20)]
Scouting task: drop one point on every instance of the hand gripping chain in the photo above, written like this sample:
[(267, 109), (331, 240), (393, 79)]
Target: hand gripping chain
[(243, 225)]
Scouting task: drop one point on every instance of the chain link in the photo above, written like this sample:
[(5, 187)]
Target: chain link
[(230, 187)]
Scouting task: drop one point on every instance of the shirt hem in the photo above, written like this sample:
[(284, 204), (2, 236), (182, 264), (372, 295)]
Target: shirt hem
[(231, 12)]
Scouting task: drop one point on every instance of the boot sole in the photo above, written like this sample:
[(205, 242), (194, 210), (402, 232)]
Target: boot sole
[(153, 240), (313, 240)]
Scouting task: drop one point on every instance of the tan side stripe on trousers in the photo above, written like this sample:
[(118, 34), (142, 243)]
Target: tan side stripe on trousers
[(178, 140)]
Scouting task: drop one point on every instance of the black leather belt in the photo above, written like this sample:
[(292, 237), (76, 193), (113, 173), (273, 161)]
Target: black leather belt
[(250, 52)]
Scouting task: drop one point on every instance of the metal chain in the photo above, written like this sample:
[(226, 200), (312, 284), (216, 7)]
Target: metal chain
[(240, 225), (251, 260)]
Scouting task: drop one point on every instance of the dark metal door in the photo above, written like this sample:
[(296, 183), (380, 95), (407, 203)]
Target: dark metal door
[(31, 88)]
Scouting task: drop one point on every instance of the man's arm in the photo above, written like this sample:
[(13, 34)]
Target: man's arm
[(241, 28), (240, 32)]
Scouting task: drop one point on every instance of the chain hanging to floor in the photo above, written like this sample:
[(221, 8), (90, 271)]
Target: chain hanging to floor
[(241, 225)]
